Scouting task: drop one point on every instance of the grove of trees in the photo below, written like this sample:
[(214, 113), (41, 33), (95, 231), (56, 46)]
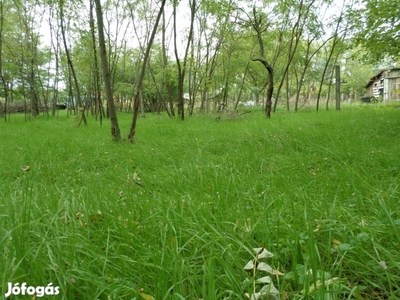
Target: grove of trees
[(188, 56)]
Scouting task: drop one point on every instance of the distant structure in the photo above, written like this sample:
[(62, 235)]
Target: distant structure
[(384, 86)]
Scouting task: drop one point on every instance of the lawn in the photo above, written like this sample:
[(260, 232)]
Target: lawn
[(177, 214)]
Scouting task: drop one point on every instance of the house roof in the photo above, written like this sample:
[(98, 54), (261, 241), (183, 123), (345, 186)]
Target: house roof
[(377, 75)]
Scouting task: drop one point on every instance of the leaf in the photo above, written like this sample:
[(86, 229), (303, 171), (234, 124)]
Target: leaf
[(146, 296), (267, 268), (262, 266), (362, 237), (26, 168), (267, 292), (255, 296), (382, 264), (249, 265), (345, 247), (270, 289), (336, 243), (320, 284), (276, 272), (262, 253), (135, 177), (265, 279)]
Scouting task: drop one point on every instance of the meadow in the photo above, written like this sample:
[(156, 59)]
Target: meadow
[(177, 214)]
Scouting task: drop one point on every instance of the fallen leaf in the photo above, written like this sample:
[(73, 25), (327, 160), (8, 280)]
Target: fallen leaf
[(26, 168)]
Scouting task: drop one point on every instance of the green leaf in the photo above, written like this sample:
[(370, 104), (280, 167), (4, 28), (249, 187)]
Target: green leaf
[(146, 296), (345, 247)]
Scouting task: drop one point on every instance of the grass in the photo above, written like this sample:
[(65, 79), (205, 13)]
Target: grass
[(176, 214)]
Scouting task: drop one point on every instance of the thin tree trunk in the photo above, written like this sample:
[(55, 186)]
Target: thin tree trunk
[(71, 66), (182, 67), (261, 59), (115, 131), (56, 49), (3, 80), (336, 40), (132, 130)]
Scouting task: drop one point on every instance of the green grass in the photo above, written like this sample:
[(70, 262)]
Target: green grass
[(176, 214)]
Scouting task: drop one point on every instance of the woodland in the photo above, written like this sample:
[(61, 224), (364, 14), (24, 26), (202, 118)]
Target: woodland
[(243, 180), (186, 57)]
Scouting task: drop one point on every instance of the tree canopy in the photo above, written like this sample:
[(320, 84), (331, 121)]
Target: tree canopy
[(377, 28)]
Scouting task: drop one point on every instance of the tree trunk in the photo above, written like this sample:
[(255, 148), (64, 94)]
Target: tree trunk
[(71, 66), (115, 131), (3, 80), (132, 130), (97, 93), (182, 67), (257, 27)]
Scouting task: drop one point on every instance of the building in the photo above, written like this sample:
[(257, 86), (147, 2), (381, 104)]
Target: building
[(385, 86)]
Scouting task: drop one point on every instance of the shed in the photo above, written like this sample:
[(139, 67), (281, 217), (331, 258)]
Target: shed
[(385, 85)]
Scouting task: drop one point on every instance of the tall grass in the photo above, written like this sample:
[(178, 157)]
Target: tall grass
[(176, 214)]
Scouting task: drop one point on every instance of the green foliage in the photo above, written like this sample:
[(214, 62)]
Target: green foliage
[(223, 44), (177, 214), (377, 28)]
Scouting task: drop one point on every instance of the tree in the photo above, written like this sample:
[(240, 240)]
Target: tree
[(3, 80), (298, 25), (260, 27), (70, 64), (132, 130), (115, 131), (377, 28), (182, 66)]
